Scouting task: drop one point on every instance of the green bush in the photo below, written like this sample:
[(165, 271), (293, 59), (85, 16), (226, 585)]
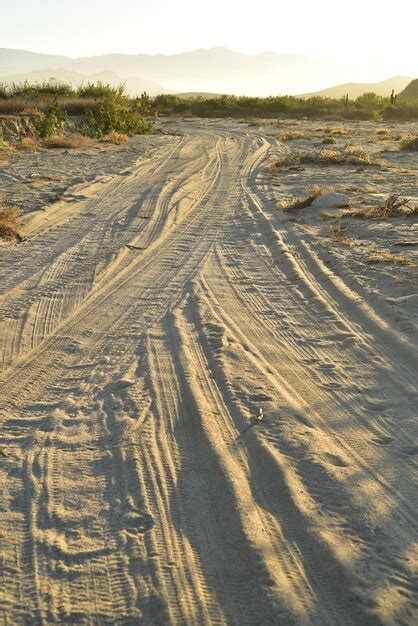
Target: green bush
[(50, 121), (128, 118)]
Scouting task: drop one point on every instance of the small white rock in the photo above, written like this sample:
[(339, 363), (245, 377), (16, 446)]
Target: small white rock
[(331, 201)]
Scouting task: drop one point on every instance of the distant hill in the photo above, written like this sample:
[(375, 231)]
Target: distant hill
[(213, 70), (410, 91), (198, 94), (133, 86), (354, 90)]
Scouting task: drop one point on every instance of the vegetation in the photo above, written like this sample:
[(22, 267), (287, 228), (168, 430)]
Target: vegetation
[(381, 256), (105, 111), (70, 142), (367, 106), (302, 203), (350, 155), (127, 117), (338, 232), (395, 206), (409, 143), (16, 98), (50, 121), (8, 223)]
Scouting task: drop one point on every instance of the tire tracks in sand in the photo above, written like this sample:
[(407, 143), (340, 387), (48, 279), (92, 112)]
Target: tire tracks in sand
[(130, 493)]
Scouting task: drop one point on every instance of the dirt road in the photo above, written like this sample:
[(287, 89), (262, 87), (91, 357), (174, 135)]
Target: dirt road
[(145, 325)]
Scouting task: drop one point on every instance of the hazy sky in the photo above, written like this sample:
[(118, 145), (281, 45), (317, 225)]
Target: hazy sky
[(321, 28)]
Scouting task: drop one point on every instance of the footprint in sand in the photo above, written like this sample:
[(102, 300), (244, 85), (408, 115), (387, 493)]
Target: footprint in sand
[(304, 420), (260, 397), (382, 441), (138, 522), (120, 384), (410, 450), (335, 460)]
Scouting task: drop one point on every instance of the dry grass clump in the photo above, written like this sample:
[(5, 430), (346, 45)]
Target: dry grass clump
[(380, 256), (329, 140), (290, 135), (302, 203), (68, 142), (336, 130), (117, 138), (350, 155), (257, 122), (384, 133), (29, 143), (5, 146), (8, 223), (338, 233), (409, 143), (394, 206)]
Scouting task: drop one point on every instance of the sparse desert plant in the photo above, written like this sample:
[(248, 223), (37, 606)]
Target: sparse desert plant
[(380, 256), (384, 131), (9, 228), (29, 143), (302, 203), (409, 143), (329, 140), (77, 141), (5, 146), (394, 206), (352, 155), (336, 130), (338, 232), (290, 135), (117, 138)]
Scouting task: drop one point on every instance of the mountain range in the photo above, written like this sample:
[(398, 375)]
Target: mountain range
[(354, 90), (218, 70), (134, 86)]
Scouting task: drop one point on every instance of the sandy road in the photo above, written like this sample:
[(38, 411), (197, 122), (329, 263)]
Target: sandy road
[(143, 328)]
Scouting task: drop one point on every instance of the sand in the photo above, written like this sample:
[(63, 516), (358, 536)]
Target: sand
[(208, 405)]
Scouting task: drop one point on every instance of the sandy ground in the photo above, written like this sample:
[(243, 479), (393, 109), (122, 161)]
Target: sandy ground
[(209, 405)]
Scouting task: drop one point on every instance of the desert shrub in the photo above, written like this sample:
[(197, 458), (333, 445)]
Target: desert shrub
[(350, 155), (127, 118), (395, 205), (409, 143), (302, 203), (329, 140), (117, 138), (338, 233), (8, 223), (29, 143), (50, 121), (290, 135), (381, 256), (367, 107), (68, 142)]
